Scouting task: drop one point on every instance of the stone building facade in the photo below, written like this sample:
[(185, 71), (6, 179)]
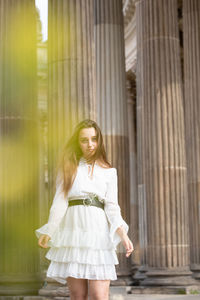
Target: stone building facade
[(162, 48), (133, 66)]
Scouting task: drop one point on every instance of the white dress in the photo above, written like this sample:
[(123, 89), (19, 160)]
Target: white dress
[(84, 238)]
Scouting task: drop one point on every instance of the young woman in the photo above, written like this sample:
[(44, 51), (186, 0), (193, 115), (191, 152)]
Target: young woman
[(85, 223)]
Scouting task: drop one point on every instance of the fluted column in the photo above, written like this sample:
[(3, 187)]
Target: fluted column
[(111, 99), (134, 228), (19, 260), (161, 145), (71, 70), (191, 32), (71, 81)]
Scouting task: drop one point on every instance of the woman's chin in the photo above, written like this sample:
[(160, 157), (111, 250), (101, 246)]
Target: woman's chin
[(89, 153)]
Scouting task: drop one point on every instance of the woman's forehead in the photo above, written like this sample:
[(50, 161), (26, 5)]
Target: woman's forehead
[(87, 132)]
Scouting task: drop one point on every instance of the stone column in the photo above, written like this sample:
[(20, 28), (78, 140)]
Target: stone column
[(111, 100), (162, 178), (134, 225), (191, 32), (71, 85), (71, 70), (19, 260)]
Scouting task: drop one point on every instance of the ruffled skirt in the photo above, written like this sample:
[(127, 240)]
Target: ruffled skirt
[(81, 246)]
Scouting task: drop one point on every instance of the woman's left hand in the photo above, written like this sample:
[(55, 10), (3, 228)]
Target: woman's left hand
[(128, 245)]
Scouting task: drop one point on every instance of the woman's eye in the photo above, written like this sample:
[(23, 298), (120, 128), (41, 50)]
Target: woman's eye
[(85, 140)]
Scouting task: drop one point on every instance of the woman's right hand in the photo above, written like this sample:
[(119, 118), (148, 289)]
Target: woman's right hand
[(128, 245), (43, 240)]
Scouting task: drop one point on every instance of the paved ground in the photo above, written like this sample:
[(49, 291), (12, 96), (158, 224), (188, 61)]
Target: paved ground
[(112, 297), (120, 293), (155, 297)]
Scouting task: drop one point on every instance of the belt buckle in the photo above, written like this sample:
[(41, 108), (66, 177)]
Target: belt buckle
[(87, 201)]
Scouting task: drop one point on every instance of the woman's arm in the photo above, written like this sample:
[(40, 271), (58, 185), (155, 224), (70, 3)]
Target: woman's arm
[(57, 211), (112, 209), (125, 240), (122, 233)]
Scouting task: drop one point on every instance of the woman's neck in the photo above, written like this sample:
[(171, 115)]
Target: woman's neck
[(88, 162)]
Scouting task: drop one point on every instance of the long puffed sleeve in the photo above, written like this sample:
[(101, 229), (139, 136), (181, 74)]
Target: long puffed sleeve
[(113, 210), (57, 212)]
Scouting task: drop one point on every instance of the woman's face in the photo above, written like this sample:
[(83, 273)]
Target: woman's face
[(88, 141)]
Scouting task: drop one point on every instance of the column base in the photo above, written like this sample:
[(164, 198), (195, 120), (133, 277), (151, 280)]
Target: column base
[(123, 270), (165, 290), (140, 274), (134, 272), (22, 285), (195, 268), (168, 277), (122, 280), (52, 288)]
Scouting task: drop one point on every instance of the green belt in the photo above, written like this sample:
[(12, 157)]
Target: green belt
[(86, 202)]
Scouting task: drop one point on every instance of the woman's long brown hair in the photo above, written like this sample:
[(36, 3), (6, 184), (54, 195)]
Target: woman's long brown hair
[(71, 154)]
